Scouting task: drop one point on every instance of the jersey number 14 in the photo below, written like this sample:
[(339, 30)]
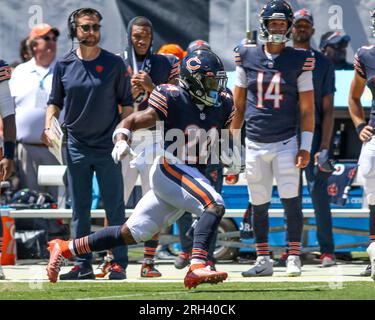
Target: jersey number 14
[(273, 91)]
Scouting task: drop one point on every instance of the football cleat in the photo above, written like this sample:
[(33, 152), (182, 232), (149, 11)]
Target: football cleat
[(148, 269), (56, 260), (328, 260), (366, 272), (293, 266), (201, 273), (116, 272), (263, 267), (182, 260), (103, 269), (371, 254), (2, 275)]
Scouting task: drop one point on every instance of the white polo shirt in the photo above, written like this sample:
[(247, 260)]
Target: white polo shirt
[(30, 86)]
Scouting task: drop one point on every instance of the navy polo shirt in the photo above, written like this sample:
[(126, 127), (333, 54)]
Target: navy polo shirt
[(90, 92)]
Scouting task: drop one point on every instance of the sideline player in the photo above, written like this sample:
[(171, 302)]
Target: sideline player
[(176, 185), (274, 84), (364, 75), (147, 70), (9, 128)]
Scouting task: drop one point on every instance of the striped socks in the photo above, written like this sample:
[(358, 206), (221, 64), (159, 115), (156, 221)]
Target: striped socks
[(199, 256), (149, 249), (262, 249), (294, 248)]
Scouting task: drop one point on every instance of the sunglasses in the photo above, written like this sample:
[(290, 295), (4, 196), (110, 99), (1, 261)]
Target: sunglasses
[(87, 27), (48, 38)]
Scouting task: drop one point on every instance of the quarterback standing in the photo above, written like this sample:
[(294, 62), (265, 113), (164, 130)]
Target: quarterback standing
[(274, 94)]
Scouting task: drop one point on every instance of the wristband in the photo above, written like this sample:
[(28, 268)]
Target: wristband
[(360, 127), (306, 140), (8, 149), (124, 131)]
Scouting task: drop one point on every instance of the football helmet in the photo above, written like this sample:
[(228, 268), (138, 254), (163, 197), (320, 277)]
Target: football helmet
[(25, 196), (280, 10), (202, 74)]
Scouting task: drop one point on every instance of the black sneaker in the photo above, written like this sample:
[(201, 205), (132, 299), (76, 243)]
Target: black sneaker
[(79, 273), (116, 272)]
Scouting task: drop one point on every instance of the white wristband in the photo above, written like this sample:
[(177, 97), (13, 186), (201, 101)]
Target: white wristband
[(306, 140), (124, 131)]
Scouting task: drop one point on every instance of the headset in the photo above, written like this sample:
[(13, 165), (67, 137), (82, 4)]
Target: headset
[(72, 24)]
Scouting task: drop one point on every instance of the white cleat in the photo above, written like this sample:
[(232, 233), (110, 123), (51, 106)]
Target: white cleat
[(371, 254), (293, 266), (263, 268), (2, 276)]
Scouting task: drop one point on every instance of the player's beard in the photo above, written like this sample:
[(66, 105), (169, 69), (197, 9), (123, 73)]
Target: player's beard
[(91, 41), (301, 38)]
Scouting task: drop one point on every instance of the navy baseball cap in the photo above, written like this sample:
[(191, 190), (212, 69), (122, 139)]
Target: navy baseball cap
[(303, 14), (332, 38), (197, 44)]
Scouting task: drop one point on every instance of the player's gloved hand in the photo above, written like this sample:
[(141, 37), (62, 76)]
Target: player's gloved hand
[(233, 160), (302, 159), (120, 151)]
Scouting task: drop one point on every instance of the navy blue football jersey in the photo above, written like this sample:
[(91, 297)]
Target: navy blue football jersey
[(161, 69), (272, 95), (176, 108), (4, 71), (324, 82), (364, 63)]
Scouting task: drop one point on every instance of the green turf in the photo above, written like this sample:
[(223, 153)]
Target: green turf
[(176, 291)]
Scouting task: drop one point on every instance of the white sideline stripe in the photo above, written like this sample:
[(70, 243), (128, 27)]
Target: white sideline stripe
[(230, 213), (138, 295), (187, 292)]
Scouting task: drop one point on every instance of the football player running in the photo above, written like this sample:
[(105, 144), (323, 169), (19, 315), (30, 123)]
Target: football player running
[(177, 182), (274, 94), (364, 75)]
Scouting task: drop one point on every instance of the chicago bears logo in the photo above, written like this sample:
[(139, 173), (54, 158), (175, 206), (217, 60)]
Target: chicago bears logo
[(339, 169), (193, 64), (332, 190)]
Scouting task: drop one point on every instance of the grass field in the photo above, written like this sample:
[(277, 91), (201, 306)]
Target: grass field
[(176, 291)]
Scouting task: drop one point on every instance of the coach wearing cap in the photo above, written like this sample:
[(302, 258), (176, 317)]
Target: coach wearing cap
[(30, 87), (334, 45)]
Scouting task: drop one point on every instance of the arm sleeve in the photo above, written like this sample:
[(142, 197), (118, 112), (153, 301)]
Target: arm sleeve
[(241, 79), (305, 81), (329, 80), (158, 102), (175, 70), (123, 91), (57, 92), (6, 101), (359, 66)]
